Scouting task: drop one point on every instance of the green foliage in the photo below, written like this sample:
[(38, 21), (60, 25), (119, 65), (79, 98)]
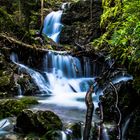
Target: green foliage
[(121, 39), (112, 10), (125, 38)]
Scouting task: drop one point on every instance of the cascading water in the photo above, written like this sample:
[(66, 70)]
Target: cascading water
[(52, 25), (62, 76), (66, 79), (64, 136)]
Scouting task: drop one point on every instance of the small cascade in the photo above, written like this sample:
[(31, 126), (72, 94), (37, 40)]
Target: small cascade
[(63, 135), (38, 79), (20, 94), (67, 65), (120, 78), (65, 6), (52, 25)]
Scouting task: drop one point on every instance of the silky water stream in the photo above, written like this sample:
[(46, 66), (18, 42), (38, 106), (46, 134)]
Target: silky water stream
[(63, 81)]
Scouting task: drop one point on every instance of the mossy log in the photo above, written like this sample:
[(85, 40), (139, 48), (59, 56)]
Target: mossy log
[(15, 44), (12, 40)]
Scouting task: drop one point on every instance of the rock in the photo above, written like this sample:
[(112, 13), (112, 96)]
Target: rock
[(133, 132), (12, 107), (74, 130), (6, 77), (25, 121), (27, 86), (40, 122), (47, 121), (79, 26)]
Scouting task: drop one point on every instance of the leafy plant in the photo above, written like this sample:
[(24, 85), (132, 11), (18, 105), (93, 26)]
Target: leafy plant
[(121, 39)]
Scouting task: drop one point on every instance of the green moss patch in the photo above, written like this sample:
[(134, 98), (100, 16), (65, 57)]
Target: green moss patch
[(12, 107)]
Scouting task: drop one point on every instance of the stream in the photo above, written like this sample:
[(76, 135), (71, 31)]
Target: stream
[(63, 80)]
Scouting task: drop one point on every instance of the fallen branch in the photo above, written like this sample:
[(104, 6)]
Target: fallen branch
[(90, 108), (11, 40)]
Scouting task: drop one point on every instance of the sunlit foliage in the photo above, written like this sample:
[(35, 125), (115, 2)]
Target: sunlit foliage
[(121, 38)]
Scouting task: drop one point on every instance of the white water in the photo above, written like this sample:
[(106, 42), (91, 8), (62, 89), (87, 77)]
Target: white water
[(20, 94), (67, 80), (122, 78), (63, 78), (64, 136), (52, 25)]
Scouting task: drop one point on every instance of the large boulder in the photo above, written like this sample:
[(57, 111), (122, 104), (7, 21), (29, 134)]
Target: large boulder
[(73, 130), (81, 22), (6, 76), (40, 122)]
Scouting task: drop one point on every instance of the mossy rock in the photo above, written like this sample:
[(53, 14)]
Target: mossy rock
[(79, 26), (25, 121), (12, 107), (27, 85), (5, 80), (75, 129), (48, 121), (29, 100), (40, 122)]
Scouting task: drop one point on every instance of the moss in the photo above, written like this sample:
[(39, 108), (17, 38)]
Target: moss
[(112, 10), (12, 107), (29, 100), (5, 80), (40, 123)]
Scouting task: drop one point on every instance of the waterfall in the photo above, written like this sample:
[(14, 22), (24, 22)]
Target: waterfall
[(63, 135), (38, 79), (20, 94), (66, 78), (52, 25), (63, 76)]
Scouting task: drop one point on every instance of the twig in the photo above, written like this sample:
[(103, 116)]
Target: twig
[(120, 115)]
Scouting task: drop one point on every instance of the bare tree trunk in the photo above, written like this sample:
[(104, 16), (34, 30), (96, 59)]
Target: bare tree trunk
[(90, 108), (42, 6)]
